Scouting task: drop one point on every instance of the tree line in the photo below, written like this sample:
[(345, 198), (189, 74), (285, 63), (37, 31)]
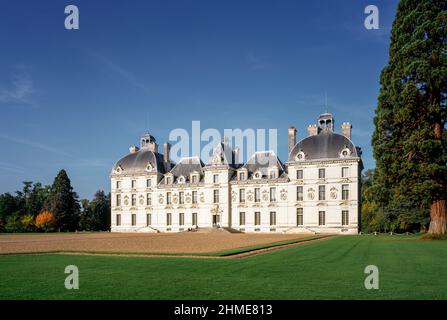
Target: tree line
[(54, 207)]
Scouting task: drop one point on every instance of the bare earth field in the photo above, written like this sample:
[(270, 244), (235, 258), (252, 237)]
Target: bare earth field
[(137, 242)]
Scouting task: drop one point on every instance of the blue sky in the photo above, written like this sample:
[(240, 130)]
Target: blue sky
[(78, 99)]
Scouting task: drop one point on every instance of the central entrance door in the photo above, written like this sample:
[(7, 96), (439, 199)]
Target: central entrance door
[(216, 221)]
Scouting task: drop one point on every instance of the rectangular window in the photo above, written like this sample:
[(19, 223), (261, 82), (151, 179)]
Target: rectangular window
[(168, 219), (257, 194), (181, 197), (345, 192), (194, 178), (134, 184), (345, 217), (148, 183), (299, 193), (168, 198), (242, 195), (118, 219), (321, 173), (272, 175), (242, 218), (273, 218), (194, 219), (216, 178), (134, 219), (194, 197), (299, 174), (148, 199), (257, 218), (118, 200), (299, 216), (344, 172), (118, 184), (216, 196), (168, 180), (321, 193), (273, 194), (134, 200), (181, 219), (148, 219), (242, 176), (321, 218)]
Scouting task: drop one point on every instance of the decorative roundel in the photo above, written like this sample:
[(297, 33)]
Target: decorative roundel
[(345, 153), (149, 167), (118, 169), (257, 175), (300, 156), (181, 179)]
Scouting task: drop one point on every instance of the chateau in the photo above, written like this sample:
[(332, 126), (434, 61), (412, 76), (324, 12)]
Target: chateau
[(316, 190)]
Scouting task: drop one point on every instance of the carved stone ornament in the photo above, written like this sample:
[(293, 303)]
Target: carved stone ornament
[(283, 194), (160, 199)]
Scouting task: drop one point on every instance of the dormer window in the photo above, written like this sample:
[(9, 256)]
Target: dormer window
[(194, 178), (300, 156), (257, 175), (345, 153), (168, 180), (149, 167), (242, 176), (273, 173), (118, 169), (181, 179)]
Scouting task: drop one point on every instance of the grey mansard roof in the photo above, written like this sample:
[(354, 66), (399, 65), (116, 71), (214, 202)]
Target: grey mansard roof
[(185, 167), (324, 145), (262, 161), (137, 162)]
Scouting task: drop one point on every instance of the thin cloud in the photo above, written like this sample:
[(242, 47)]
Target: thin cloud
[(35, 144), (125, 74), (20, 89), (4, 166)]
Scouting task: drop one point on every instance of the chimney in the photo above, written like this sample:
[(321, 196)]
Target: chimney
[(346, 129), (312, 130), (292, 138), (167, 150), (133, 149), (236, 155)]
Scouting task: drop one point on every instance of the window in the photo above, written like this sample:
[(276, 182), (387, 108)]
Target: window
[(216, 196), (148, 219), (299, 193), (321, 173), (168, 219), (272, 174), (242, 176), (134, 219), (181, 197), (321, 218), (194, 197), (148, 183), (321, 193), (194, 219), (118, 184), (345, 217), (242, 218), (273, 218), (168, 198), (344, 172), (181, 219), (148, 199), (118, 219), (168, 180), (216, 178), (273, 194), (257, 195), (134, 200), (194, 178), (134, 184), (345, 191), (118, 200), (242, 195), (299, 216), (299, 174), (257, 218)]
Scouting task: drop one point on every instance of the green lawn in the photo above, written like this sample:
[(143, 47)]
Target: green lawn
[(329, 269)]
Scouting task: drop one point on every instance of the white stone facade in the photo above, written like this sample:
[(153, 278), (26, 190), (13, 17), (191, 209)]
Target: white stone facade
[(316, 190)]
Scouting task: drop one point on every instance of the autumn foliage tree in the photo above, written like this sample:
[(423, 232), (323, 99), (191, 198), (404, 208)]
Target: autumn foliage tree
[(45, 221)]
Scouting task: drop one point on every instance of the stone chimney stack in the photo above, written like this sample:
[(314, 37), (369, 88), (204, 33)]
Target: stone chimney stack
[(133, 149), (292, 138), (166, 151), (312, 130), (346, 129)]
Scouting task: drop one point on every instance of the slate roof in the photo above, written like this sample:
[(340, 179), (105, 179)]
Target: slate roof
[(136, 163)]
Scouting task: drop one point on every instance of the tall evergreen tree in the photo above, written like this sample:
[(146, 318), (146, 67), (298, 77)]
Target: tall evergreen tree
[(63, 203), (410, 123)]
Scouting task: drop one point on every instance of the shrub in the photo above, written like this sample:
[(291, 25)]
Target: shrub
[(46, 221)]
